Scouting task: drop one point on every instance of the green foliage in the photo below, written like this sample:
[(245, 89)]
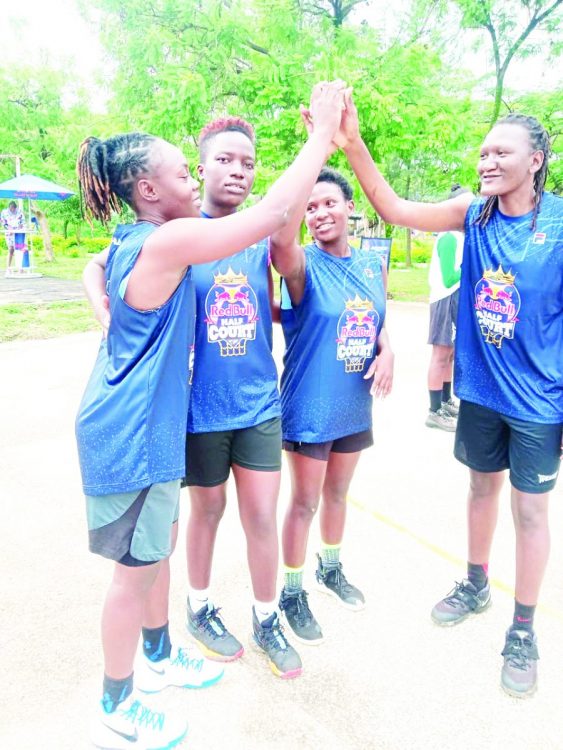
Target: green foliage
[(176, 64)]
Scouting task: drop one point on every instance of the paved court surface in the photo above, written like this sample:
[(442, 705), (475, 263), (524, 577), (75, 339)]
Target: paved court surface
[(38, 290), (385, 678)]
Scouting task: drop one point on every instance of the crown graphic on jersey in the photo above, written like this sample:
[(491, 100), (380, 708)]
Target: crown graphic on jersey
[(500, 276), (230, 278), (359, 304)]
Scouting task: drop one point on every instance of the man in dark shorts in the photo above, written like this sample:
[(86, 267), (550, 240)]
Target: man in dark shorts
[(443, 277)]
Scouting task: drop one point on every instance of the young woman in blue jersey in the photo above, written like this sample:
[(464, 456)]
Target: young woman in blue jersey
[(131, 422), (508, 364), (234, 419), (337, 357)]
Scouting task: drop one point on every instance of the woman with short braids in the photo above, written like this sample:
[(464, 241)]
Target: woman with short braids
[(131, 425), (508, 360)]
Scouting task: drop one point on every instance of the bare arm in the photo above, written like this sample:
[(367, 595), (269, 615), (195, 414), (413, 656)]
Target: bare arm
[(275, 306), (427, 217), (183, 242), (94, 282)]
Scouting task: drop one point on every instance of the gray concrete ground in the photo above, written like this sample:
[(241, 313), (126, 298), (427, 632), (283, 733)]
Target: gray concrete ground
[(37, 290), (385, 679)]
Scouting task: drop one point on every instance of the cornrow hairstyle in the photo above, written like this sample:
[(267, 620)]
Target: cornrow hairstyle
[(107, 171), (539, 140), (331, 175), (224, 125)]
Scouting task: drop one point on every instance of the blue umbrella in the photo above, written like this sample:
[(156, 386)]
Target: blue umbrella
[(33, 188)]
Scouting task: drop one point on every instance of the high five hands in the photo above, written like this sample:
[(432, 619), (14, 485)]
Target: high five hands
[(349, 128)]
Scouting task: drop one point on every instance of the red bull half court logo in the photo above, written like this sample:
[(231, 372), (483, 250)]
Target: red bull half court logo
[(231, 310), (356, 334), (497, 304)]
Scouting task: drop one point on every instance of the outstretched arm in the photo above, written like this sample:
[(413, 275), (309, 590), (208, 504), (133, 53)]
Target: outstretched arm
[(288, 256), (427, 217), (183, 242)]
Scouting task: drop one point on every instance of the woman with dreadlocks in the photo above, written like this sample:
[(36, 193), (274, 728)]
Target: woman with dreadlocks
[(131, 424), (239, 427), (508, 363)]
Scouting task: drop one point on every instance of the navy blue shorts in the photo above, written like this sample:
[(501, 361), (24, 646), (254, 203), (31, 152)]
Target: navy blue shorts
[(487, 441)]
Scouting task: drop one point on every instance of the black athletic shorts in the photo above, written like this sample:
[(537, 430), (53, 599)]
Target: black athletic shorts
[(488, 441), (210, 455), (443, 317), (322, 451)]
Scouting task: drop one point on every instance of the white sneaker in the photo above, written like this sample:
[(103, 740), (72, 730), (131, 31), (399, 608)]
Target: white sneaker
[(133, 724), (181, 669), (451, 407), (441, 420)]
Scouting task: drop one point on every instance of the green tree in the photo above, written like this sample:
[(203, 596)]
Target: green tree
[(509, 24)]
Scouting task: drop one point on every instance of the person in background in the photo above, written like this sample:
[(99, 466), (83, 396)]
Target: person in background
[(13, 222), (443, 278)]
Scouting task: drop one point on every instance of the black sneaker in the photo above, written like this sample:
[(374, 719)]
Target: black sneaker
[(331, 580), (519, 676), (283, 658), (211, 635), (462, 601), (299, 617)]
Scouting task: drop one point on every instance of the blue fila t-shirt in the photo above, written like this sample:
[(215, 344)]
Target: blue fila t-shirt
[(509, 342), (331, 340), (235, 380), (131, 424)]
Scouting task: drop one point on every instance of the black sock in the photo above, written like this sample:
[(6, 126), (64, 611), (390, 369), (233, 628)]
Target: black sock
[(435, 400), (478, 575), (115, 691), (523, 617), (156, 643), (446, 391)]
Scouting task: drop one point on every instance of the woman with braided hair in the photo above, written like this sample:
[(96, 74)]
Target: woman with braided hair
[(239, 428), (508, 364), (131, 425)]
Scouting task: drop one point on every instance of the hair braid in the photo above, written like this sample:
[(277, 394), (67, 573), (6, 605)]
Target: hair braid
[(539, 141), (107, 171)]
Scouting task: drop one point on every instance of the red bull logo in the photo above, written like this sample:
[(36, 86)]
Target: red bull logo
[(231, 309), (497, 303), (357, 334)]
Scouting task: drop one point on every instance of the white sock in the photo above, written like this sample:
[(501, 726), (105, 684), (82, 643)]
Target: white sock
[(264, 610), (198, 598)]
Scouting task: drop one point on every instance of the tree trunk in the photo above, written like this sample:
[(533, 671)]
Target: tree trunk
[(408, 257), (65, 228), (46, 233)]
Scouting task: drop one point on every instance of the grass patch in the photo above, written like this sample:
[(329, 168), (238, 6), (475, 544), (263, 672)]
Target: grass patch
[(25, 321), (63, 267), (48, 320), (408, 284)]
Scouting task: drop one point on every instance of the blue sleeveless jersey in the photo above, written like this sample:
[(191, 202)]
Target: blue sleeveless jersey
[(235, 381), (331, 339), (131, 424), (509, 343)]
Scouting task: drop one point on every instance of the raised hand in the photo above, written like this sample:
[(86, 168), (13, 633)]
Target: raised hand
[(326, 106), (349, 129)]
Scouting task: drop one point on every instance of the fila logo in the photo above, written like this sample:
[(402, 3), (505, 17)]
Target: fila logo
[(539, 238)]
